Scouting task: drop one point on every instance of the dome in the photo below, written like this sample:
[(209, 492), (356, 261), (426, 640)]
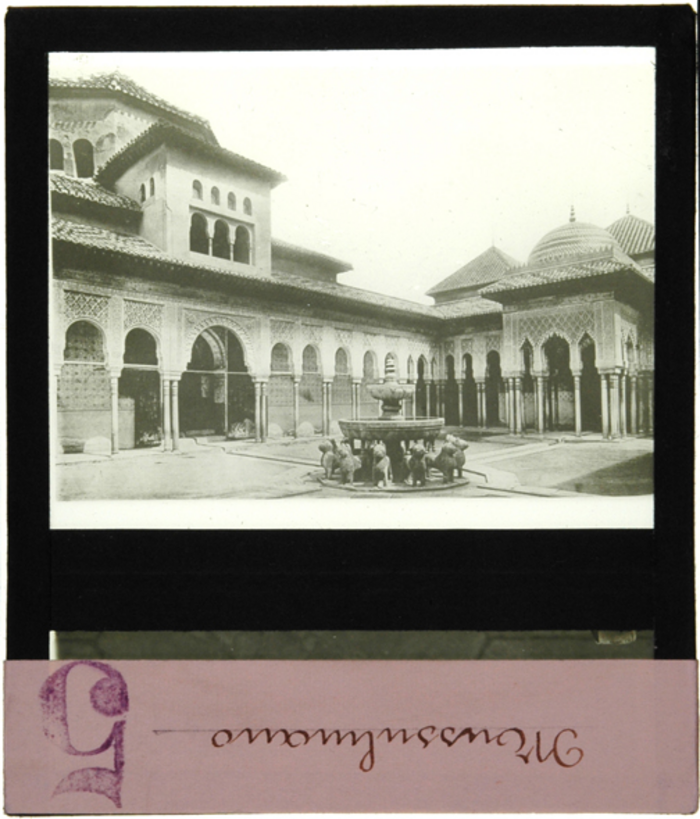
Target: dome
[(570, 240)]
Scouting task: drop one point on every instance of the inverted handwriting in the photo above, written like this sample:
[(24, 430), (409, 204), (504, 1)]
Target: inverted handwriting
[(559, 748)]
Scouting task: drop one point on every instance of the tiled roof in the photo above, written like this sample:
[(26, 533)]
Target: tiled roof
[(120, 84), (290, 251), (101, 239), (113, 242), (633, 234), (90, 191), (490, 266), (160, 132), (538, 277), (476, 306), (358, 295)]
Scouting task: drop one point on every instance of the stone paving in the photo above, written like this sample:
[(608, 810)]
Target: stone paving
[(498, 464)]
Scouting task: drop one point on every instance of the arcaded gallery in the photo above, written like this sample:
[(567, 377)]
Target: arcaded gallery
[(177, 313)]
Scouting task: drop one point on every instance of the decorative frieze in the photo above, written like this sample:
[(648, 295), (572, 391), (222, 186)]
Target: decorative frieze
[(313, 333), (245, 327), (343, 338), (571, 324), (143, 314), (86, 305), (281, 330), (492, 341)]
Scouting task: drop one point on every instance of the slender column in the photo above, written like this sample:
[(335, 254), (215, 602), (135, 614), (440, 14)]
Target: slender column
[(174, 387), (329, 406), (623, 404), (167, 435), (441, 398), (263, 408), (633, 405), (355, 399), (614, 405), (577, 403), (510, 404), (428, 401), (258, 413), (480, 403), (517, 383), (540, 404), (650, 398), (295, 408), (460, 401), (604, 416), (644, 403), (114, 395)]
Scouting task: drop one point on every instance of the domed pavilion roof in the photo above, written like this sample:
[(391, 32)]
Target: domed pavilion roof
[(571, 240)]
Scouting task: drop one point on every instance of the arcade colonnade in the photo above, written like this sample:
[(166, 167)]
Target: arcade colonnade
[(144, 372)]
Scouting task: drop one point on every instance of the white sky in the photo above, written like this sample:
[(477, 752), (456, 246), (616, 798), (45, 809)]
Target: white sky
[(408, 164)]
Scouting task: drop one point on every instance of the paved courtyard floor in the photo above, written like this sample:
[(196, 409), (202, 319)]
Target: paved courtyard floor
[(498, 465)]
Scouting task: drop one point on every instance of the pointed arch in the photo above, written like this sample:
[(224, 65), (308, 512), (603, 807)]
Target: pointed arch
[(241, 248), (84, 158), (221, 242), (141, 347), (85, 341), (55, 155), (199, 234)]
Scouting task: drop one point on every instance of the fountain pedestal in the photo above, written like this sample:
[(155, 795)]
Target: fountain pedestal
[(391, 428)]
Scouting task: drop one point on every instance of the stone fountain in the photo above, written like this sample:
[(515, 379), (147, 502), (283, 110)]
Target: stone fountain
[(391, 428)]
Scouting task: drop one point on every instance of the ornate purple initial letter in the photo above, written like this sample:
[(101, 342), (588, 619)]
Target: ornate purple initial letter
[(109, 697)]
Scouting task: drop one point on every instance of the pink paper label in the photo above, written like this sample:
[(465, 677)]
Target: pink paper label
[(350, 736)]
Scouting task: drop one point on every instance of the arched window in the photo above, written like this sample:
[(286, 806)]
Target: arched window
[(232, 201), (280, 360), (83, 343), (368, 369), (140, 347), (84, 158), (215, 196), (196, 189), (199, 237), (142, 193), (247, 207), (341, 362), (221, 243), (241, 249), (410, 369), (55, 155), (450, 364), (152, 187), (309, 360)]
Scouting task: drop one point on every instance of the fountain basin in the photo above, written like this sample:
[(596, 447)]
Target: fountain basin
[(384, 429)]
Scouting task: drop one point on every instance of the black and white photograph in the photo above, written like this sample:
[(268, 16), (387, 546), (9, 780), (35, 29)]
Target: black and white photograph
[(421, 276)]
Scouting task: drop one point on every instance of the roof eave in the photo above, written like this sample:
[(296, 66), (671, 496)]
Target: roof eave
[(287, 290)]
